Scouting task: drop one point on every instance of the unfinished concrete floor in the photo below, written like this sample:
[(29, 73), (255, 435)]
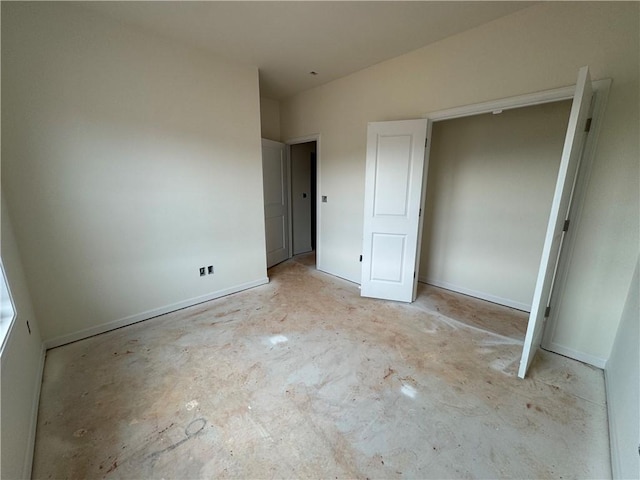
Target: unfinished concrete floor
[(303, 378)]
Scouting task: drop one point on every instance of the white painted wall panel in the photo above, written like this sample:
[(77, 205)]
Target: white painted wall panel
[(130, 162), (387, 252)]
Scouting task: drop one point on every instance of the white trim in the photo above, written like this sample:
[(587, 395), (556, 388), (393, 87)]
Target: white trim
[(592, 360), (315, 137), (423, 202), (287, 155), (139, 317), (509, 103), (474, 293), (35, 404)]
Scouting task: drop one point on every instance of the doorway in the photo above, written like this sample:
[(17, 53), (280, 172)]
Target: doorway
[(491, 180), (577, 155), (303, 164)]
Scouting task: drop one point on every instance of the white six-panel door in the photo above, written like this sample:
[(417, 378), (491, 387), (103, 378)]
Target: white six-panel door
[(276, 201), (571, 154), (393, 189)]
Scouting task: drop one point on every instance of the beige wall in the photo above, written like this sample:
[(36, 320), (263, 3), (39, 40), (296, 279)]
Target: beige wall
[(128, 162), (21, 367), (622, 375), (270, 118), (490, 185), (538, 48)]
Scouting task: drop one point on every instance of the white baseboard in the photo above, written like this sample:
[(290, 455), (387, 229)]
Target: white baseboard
[(139, 317), (474, 293), (35, 405), (580, 356), (341, 276)]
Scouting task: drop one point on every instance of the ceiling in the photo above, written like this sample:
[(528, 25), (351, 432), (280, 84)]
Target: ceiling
[(287, 40)]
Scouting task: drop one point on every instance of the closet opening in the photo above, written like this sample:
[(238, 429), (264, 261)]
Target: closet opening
[(497, 203), (490, 184)]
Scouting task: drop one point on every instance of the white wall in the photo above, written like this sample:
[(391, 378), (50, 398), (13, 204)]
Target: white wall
[(622, 375), (21, 367), (128, 162), (270, 118), (538, 48), (490, 184)]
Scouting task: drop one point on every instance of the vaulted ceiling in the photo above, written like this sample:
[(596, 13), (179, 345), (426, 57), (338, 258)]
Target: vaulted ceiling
[(287, 40)]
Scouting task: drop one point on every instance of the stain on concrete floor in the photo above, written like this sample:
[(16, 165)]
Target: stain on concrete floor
[(304, 378)]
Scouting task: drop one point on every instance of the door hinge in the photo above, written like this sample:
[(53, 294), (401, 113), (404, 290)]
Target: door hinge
[(587, 126), (547, 311), (426, 140), (414, 274), (360, 257), (565, 227), (420, 212)]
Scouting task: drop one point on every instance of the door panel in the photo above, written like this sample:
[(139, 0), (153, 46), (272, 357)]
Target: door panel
[(276, 201), (393, 171), (571, 154), (388, 251), (393, 188)]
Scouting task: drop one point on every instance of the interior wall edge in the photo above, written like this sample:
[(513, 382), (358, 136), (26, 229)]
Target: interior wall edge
[(622, 388), (477, 294), (270, 118), (612, 421), (148, 315)]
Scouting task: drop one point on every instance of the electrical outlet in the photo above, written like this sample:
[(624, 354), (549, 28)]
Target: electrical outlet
[(210, 269), (202, 272)]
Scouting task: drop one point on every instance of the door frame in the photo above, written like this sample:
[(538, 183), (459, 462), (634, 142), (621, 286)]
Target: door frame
[(600, 95), (315, 137)]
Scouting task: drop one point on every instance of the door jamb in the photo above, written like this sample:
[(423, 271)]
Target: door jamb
[(295, 141), (601, 92)]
